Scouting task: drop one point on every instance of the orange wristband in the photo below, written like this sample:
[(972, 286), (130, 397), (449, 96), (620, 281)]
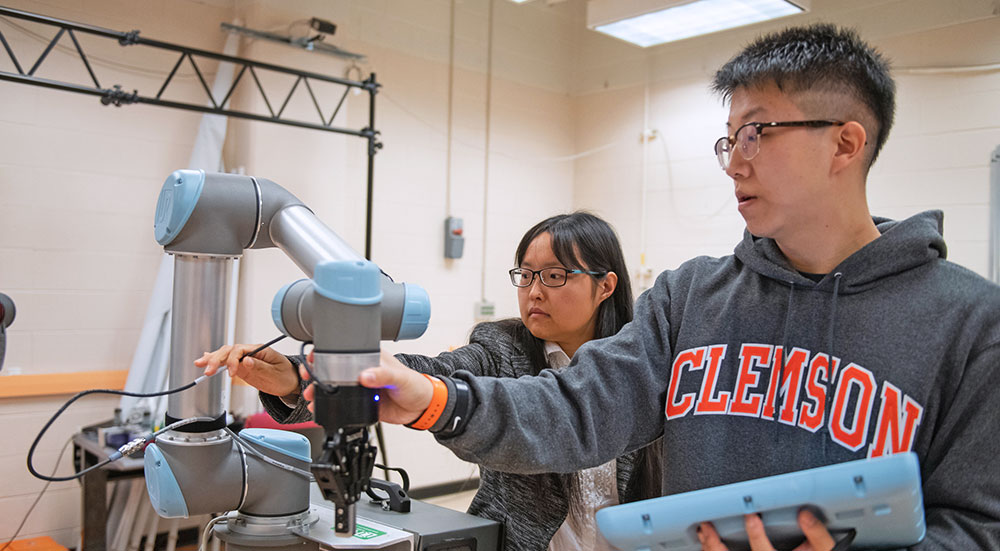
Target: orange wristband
[(438, 401)]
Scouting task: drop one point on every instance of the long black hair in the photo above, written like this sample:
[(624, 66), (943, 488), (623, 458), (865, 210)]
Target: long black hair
[(582, 241)]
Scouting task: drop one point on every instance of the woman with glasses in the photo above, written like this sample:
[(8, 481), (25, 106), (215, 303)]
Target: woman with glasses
[(572, 287)]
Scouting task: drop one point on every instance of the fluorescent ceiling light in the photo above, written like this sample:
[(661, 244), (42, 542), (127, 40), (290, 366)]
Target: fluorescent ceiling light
[(652, 22)]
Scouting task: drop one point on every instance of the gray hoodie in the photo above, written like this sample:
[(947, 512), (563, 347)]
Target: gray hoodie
[(915, 342)]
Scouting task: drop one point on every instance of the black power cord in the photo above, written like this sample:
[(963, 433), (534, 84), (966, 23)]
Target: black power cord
[(128, 448), (329, 389)]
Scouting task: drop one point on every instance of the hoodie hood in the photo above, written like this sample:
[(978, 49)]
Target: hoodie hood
[(904, 245)]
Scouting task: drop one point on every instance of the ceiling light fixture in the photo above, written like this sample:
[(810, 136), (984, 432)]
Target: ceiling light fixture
[(652, 22)]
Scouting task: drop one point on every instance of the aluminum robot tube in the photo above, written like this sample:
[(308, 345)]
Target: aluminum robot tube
[(199, 323), (307, 240)]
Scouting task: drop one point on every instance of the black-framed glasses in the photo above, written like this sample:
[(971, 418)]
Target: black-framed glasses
[(550, 277), (746, 141)]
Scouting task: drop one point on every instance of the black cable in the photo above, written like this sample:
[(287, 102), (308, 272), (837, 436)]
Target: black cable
[(262, 347), (117, 455), (329, 389), (31, 450), (402, 474), (845, 543), (380, 439)]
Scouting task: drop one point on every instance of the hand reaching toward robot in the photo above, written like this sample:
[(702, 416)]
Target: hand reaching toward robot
[(405, 395), (268, 370)]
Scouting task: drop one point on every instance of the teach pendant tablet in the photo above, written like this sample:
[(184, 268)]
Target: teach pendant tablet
[(878, 499)]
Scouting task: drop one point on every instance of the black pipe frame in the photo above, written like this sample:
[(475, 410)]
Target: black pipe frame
[(117, 96)]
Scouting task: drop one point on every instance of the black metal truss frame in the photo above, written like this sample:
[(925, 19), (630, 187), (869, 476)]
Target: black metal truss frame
[(118, 96)]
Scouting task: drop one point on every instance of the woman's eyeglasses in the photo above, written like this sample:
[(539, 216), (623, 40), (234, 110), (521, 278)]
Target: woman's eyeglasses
[(550, 277)]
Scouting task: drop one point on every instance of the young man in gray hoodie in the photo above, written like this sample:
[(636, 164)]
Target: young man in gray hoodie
[(829, 335)]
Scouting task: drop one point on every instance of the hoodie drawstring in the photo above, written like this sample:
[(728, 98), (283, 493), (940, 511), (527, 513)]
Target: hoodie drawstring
[(831, 331), (829, 357), (784, 354)]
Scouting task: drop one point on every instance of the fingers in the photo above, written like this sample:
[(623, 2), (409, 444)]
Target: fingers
[(709, 538), (309, 394), (202, 362), (232, 356), (233, 359), (269, 355), (377, 377), (228, 356), (242, 368), (406, 396), (817, 536), (211, 361), (755, 533), (391, 373)]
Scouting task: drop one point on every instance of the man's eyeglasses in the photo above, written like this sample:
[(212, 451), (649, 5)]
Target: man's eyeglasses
[(746, 141), (550, 277)]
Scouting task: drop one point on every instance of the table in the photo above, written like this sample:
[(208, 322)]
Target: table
[(87, 452)]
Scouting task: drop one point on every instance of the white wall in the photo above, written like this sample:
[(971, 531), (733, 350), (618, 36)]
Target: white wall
[(78, 181), (531, 126), (937, 155)]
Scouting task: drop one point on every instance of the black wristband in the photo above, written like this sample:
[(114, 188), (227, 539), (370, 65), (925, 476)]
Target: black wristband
[(460, 414)]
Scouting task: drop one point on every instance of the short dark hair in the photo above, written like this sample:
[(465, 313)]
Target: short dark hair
[(819, 58), (581, 240)]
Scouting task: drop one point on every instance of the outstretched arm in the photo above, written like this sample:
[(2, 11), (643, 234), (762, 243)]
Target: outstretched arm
[(610, 400)]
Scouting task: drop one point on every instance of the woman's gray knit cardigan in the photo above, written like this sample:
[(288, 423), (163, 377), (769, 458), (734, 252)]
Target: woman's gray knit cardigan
[(531, 507)]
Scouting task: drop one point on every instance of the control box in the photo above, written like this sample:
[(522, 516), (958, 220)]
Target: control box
[(454, 240)]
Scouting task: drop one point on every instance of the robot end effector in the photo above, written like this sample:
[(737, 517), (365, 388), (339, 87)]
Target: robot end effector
[(346, 308)]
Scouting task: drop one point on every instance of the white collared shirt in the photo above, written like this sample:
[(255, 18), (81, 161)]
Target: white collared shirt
[(555, 355)]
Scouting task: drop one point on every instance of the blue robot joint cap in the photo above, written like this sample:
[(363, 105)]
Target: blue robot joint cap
[(356, 282)]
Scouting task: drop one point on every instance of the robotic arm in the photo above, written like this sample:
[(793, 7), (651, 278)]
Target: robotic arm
[(7, 312), (346, 308)]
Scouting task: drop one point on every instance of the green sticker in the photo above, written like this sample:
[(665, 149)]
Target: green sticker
[(363, 532)]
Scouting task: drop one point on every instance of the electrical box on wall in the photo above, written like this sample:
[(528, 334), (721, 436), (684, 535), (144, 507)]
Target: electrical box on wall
[(484, 311), (454, 240)]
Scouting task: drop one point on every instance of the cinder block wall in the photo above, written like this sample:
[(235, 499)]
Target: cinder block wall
[(78, 181)]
